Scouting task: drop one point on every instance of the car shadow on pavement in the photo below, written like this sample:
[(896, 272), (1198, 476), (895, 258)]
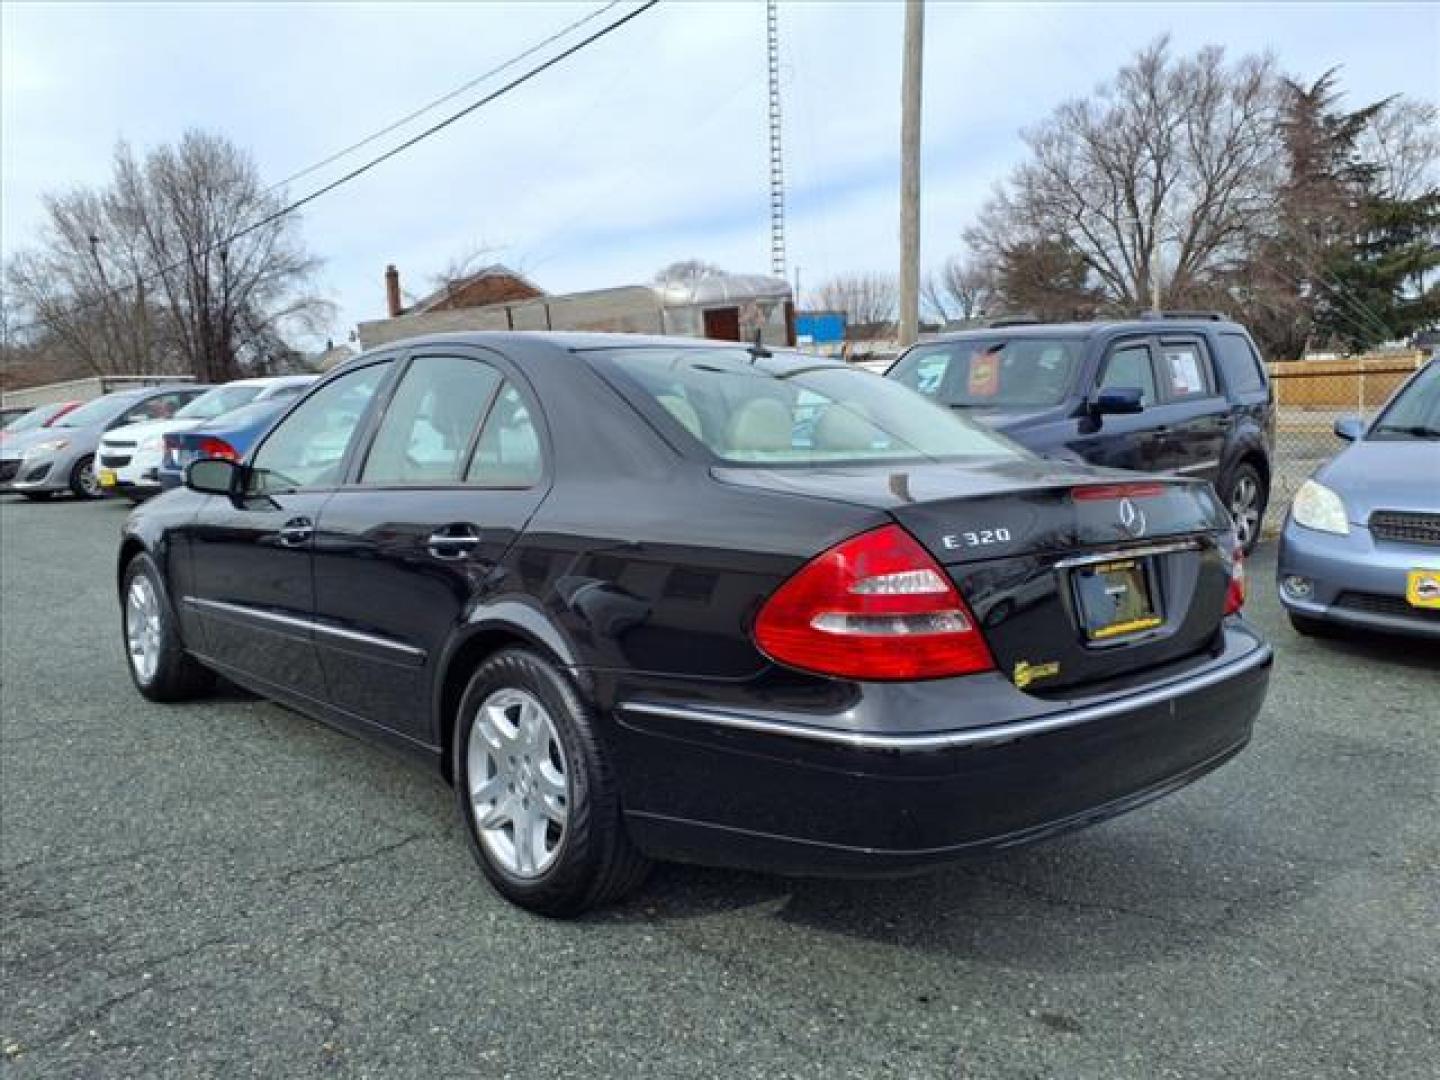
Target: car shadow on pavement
[(1416, 654), (1105, 899)]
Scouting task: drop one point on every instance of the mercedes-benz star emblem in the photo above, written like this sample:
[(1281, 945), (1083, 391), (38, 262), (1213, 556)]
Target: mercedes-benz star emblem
[(1132, 518)]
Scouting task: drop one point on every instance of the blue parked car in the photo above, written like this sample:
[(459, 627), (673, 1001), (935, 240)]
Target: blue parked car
[(1361, 547), (229, 436), (1175, 392)]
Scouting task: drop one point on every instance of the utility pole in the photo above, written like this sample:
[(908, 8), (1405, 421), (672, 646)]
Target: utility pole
[(910, 172)]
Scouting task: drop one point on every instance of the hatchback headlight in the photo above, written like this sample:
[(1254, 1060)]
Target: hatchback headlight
[(49, 446), (1317, 507)]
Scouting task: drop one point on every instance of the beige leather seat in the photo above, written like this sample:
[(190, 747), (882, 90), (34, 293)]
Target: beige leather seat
[(844, 429), (682, 411), (759, 427)]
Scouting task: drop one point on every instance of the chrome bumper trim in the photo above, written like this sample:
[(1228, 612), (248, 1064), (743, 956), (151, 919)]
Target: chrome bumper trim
[(947, 740)]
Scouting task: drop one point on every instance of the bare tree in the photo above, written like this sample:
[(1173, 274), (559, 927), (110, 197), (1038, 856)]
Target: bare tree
[(686, 272), (962, 289), (1402, 140), (181, 262), (461, 268), (868, 300), (1156, 183)]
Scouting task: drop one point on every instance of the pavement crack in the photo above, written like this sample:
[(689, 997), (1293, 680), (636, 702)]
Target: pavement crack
[(350, 860)]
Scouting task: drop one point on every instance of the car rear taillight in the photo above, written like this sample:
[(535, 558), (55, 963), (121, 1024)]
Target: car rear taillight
[(1235, 591), (875, 607), (216, 448)]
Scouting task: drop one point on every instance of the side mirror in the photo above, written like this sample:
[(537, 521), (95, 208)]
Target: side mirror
[(1349, 428), (1118, 400), (213, 476)]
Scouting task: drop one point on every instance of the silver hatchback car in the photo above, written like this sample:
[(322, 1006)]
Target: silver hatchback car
[(64, 459), (1361, 547)]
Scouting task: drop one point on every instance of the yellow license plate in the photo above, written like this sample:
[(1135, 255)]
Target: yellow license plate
[(1423, 588), (1115, 600), (107, 477)]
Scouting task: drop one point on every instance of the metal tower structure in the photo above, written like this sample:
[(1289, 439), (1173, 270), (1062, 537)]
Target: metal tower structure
[(777, 161)]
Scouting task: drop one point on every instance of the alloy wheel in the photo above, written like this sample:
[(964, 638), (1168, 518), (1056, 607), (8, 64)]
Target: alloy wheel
[(142, 627), (519, 782), (1245, 508), (89, 483)]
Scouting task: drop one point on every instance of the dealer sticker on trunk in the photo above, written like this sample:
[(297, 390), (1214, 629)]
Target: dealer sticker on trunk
[(1026, 672)]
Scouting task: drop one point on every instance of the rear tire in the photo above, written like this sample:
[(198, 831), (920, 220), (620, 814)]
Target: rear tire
[(1246, 496), (535, 741), (159, 665), (83, 482)]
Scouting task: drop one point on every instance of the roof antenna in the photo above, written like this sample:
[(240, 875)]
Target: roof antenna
[(758, 351)]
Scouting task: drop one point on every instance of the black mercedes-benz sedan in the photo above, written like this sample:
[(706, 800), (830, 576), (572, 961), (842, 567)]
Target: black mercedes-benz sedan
[(642, 598)]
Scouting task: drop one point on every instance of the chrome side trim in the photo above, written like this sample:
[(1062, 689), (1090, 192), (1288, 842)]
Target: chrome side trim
[(1199, 466), (949, 740), (220, 607), (1127, 553)]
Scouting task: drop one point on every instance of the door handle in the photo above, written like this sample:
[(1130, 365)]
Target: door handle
[(453, 541), (297, 531)]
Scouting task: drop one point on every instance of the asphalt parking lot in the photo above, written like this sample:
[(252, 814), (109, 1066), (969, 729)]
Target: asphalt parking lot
[(227, 889)]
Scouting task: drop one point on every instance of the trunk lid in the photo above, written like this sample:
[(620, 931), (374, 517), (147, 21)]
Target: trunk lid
[(1076, 575)]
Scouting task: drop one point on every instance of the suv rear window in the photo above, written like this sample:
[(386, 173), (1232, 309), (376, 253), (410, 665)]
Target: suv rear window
[(789, 411), (995, 373), (1240, 364)]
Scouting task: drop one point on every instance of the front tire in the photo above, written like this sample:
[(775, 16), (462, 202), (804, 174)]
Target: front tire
[(1246, 496), (537, 791), (83, 482), (159, 665), (37, 496)]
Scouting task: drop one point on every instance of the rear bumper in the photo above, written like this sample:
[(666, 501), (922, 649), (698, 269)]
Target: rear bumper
[(1354, 581), (766, 791)]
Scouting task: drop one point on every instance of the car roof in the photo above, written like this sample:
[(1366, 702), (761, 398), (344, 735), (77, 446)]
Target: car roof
[(568, 341), (1083, 330)]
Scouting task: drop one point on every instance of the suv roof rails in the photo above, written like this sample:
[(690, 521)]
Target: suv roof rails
[(1013, 320), (1211, 316)]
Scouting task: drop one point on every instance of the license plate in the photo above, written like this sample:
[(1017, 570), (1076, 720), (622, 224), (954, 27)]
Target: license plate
[(1422, 588), (107, 477), (1116, 599)]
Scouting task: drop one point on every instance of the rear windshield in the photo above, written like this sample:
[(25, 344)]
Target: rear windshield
[(217, 402), (1014, 373), (783, 413)]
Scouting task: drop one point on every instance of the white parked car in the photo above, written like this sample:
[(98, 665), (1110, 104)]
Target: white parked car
[(129, 457)]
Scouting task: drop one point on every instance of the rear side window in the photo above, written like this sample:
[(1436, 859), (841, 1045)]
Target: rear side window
[(1240, 364), (308, 447), (1183, 370), (428, 424), (508, 451)]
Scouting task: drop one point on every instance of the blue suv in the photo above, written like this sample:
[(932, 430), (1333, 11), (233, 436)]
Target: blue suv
[(1172, 392)]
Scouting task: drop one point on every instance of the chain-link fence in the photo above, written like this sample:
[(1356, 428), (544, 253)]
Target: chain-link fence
[(1310, 395)]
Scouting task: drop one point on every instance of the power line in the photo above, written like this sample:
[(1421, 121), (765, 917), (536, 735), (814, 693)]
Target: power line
[(360, 170), (451, 96)]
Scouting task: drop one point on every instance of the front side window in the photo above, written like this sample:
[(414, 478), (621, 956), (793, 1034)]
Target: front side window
[(308, 448), (1128, 368), (1019, 372), (791, 411), (430, 420), (508, 451)]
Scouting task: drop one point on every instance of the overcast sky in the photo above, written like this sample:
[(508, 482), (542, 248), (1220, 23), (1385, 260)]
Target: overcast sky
[(649, 146)]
